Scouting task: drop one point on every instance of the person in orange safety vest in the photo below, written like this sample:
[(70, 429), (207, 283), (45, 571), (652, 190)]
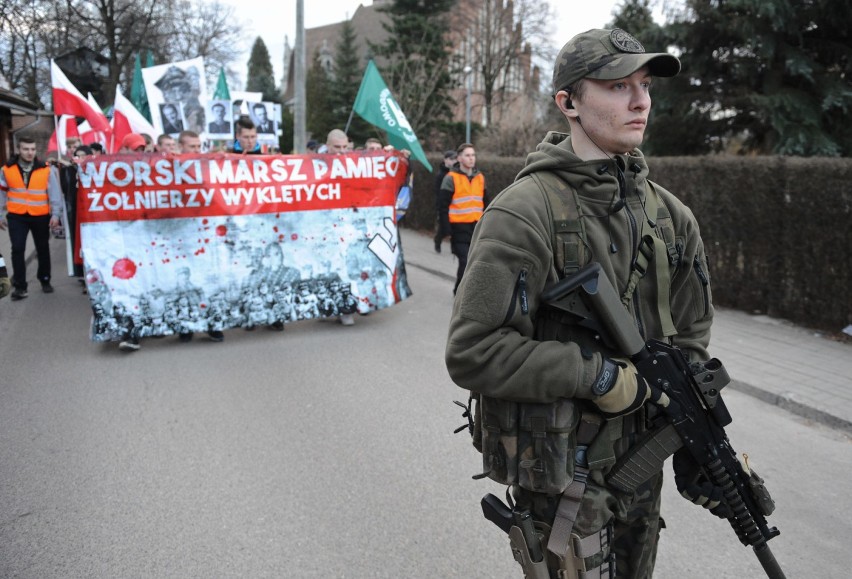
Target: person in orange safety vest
[(30, 202), (461, 203)]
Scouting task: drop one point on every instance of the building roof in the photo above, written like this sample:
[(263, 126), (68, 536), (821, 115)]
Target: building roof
[(367, 23), (12, 101)]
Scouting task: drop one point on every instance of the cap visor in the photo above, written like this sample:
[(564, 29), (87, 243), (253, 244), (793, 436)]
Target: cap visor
[(658, 63)]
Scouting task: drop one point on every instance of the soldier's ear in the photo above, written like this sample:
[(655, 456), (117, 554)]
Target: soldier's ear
[(563, 101)]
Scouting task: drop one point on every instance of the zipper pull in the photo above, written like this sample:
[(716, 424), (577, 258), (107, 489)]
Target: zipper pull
[(522, 286)]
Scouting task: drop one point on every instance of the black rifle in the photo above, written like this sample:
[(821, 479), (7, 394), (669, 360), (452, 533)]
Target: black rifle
[(694, 420)]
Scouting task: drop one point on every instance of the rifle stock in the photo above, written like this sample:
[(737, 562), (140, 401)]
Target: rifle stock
[(694, 420)]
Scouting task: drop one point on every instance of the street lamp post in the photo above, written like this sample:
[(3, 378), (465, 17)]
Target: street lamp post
[(468, 77)]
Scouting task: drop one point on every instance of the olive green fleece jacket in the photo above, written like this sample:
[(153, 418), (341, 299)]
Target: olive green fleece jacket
[(491, 348)]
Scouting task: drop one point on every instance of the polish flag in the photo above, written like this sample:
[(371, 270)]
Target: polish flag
[(127, 119), (67, 100), (66, 128), (90, 135)]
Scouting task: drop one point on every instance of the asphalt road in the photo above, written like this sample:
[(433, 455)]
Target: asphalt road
[(322, 451)]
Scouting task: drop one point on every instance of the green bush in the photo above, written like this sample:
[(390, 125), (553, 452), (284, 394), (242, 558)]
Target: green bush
[(777, 230)]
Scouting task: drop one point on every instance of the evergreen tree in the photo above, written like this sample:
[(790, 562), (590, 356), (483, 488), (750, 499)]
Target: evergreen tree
[(415, 60), (760, 76), (348, 71), (260, 77), (319, 116)]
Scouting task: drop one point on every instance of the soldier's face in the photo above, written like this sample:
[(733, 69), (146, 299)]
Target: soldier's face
[(614, 113)]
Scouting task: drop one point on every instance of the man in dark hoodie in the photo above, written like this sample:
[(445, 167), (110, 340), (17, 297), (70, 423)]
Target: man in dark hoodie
[(557, 407)]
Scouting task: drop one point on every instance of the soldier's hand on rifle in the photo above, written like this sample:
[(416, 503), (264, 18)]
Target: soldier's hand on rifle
[(619, 389), (694, 486)]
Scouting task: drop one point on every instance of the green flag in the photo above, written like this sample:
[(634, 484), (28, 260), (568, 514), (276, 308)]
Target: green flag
[(138, 96), (376, 105), (222, 93)]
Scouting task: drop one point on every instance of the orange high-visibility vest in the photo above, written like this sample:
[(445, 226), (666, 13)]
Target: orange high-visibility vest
[(23, 200), (468, 198)]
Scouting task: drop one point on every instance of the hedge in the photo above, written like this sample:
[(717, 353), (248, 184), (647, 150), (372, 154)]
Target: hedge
[(777, 230)]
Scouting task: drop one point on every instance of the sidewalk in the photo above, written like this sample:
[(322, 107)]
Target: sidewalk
[(770, 359)]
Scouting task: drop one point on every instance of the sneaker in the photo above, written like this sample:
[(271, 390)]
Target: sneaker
[(18, 294), (216, 335), (347, 319), (130, 345), (46, 287), (279, 325), (185, 337)]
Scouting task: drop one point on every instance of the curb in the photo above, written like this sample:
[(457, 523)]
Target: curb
[(794, 407), (784, 402)]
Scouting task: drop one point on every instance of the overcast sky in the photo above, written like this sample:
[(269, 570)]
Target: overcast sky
[(273, 21)]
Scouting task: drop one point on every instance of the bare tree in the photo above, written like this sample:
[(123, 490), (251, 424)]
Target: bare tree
[(119, 29), (500, 40), (21, 50), (211, 30), (34, 31)]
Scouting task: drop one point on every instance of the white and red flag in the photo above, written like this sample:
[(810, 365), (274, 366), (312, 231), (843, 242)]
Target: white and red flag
[(65, 129), (67, 100), (89, 135), (127, 119)]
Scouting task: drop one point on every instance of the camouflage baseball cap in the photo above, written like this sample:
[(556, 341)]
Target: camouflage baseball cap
[(607, 55)]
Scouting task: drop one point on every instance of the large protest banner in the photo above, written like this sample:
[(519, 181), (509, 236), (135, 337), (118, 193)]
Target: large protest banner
[(209, 242)]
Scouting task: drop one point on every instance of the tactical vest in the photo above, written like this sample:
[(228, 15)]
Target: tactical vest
[(538, 445)]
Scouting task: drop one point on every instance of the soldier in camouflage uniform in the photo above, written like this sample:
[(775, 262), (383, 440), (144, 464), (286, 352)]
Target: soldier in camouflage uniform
[(556, 407)]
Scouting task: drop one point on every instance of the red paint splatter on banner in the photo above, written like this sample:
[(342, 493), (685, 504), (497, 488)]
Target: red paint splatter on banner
[(202, 306), (206, 240), (294, 236), (280, 237), (153, 243), (221, 230), (124, 268), (365, 276), (275, 229)]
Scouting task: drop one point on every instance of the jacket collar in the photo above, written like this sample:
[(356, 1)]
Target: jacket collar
[(37, 163)]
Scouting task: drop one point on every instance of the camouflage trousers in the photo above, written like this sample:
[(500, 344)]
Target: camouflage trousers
[(633, 520)]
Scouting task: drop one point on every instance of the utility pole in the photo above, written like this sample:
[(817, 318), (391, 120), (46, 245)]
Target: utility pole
[(299, 141), (468, 78)]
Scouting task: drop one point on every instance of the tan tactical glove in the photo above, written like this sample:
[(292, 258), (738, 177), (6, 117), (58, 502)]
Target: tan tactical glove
[(620, 390), (5, 286)]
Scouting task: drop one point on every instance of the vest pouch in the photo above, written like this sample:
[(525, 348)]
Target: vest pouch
[(499, 446), (547, 442)]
